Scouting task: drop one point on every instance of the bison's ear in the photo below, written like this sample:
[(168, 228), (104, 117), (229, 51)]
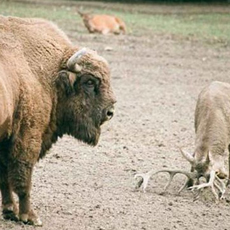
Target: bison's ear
[(65, 81)]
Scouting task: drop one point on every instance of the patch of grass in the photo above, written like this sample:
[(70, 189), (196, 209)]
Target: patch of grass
[(66, 17), (206, 26)]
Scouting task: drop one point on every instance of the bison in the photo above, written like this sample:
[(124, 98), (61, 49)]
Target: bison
[(212, 127), (48, 88), (103, 24)]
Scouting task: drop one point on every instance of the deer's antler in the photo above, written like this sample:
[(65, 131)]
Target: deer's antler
[(214, 182), (145, 178)]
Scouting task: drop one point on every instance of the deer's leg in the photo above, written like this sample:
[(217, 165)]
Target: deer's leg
[(105, 31), (9, 208)]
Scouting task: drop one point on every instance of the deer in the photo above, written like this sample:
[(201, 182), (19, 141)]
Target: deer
[(103, 23), (212, 144)]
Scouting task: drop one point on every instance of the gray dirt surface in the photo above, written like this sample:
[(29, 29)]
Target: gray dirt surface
[(156, 80)]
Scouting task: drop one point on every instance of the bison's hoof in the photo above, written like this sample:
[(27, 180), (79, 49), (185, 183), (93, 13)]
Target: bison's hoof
[(10, 212), (31, 219)]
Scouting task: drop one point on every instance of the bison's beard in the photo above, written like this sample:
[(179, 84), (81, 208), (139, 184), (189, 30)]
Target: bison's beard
[(88, 135), (84, 126), (87, 132)]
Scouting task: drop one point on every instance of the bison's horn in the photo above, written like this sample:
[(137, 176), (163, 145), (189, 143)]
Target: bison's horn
[(188, 156), (72, 63)]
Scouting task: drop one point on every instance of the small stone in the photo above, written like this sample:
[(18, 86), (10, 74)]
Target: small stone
[(108, 48)]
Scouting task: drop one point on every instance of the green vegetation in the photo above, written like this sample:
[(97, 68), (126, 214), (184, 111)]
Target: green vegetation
[(209, 26), (213, 26), (64, 16)]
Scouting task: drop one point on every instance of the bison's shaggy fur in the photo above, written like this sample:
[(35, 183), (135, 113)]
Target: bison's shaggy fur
[(43, 97)]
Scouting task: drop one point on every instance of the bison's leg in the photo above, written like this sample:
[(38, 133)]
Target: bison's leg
[(9, 208), (20, 173)]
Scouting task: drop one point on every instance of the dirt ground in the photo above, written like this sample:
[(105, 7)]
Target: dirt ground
[(156, 81)]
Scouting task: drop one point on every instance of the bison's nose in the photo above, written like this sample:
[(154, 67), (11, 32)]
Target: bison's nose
[(109, 112)]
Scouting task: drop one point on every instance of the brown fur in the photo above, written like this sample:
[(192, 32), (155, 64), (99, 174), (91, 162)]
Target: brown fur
[(104, 24), (40, 100)]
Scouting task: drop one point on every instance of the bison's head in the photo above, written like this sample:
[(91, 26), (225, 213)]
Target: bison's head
[(85, 97)]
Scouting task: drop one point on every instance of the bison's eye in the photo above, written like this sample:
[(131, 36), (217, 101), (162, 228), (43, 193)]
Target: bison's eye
[(89, 83)]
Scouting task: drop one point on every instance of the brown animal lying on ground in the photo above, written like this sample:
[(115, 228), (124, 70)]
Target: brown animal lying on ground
[(47, 88), (104, 24), (212, 126)]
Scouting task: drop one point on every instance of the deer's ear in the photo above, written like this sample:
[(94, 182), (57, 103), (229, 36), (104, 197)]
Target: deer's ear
[(65, 81), (209, 157), (188, 156)]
